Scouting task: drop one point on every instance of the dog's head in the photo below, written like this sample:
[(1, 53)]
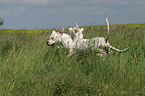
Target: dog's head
[(76, 32), (55, 37), (73, 30)]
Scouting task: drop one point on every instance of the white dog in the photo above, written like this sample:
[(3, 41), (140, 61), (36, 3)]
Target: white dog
[(79, 44), (76, 32), (102, 43), (60, 38)]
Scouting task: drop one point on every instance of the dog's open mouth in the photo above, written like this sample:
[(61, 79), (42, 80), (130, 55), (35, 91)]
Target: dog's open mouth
[(52, 45)]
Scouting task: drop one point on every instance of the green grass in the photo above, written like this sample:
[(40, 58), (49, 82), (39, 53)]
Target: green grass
[(29, 67)]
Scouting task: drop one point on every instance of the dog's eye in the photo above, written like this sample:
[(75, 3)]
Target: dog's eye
[(52, 37)]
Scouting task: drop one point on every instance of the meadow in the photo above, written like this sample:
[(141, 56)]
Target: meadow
[(28, 67)]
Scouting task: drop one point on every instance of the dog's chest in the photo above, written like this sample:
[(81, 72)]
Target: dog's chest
[(66, 41)]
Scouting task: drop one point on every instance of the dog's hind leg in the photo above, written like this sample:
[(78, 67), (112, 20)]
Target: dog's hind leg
[(102, 55)]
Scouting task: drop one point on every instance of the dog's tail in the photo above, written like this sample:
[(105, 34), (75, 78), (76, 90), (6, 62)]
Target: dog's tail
[(118, 49), (106, 39)]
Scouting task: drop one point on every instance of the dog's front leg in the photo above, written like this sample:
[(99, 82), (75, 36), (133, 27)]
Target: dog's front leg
[(60, 47), (71, 52)]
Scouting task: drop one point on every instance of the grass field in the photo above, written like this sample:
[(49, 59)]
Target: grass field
[(28, 67)]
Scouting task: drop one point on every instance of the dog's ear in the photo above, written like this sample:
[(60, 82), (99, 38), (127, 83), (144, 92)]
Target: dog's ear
[(70, 29), (77, 25), (82, 29), (53, 31), (61, 31)]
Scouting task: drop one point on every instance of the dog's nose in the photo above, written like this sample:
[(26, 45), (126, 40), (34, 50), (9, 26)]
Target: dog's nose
[(47, 43)]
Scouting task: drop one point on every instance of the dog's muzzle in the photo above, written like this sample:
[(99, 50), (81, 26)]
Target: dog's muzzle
[(52, 45)]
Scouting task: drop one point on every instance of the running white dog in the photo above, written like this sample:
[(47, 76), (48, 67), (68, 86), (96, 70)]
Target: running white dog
[(101, 43), (76, 32), (80, 45), (60, 38)]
